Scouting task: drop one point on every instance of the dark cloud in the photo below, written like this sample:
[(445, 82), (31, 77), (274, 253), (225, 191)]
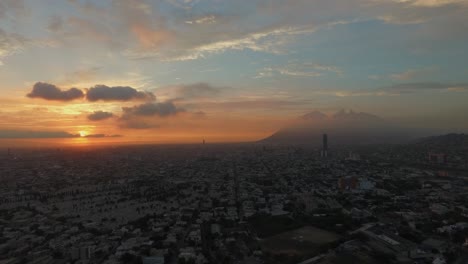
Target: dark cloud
[(34, 134), (153, 109), (18, 134), (99, 92), (100, 115), (117, 93), (51, 92), (139, 116), (101, 136)]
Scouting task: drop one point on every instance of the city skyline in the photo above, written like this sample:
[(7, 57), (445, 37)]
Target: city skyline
[(171, 71)]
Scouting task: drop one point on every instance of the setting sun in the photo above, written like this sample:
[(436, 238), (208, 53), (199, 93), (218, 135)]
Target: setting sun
[(83, 133)]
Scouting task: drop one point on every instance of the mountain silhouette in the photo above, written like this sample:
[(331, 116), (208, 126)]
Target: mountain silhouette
[(343, 127)]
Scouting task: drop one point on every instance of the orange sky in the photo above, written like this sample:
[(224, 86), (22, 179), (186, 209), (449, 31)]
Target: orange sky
[(179, 71), (184, 127)]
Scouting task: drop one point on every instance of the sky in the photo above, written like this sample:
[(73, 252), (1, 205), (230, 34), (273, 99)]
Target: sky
[(169, 71)]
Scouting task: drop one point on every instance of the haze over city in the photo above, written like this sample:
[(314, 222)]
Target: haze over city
[(172, 71)]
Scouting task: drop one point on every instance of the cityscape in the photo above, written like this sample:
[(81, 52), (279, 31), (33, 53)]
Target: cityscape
[(237, 203), (233, 132)]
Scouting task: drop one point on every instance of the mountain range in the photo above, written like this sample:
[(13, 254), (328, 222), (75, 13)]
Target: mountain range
[(344, 127)]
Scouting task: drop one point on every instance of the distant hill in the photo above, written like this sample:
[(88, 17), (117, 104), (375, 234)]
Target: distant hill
[(344, 127)]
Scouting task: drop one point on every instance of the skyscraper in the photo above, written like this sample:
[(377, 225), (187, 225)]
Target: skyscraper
[(324, 152)]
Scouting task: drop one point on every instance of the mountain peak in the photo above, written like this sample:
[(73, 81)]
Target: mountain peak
[(314, 115), (344, 127), (356, 116)]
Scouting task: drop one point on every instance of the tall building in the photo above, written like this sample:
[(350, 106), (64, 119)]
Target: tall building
[(324, 152)]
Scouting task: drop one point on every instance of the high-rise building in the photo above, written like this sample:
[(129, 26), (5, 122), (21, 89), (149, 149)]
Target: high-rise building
[(324, 152)]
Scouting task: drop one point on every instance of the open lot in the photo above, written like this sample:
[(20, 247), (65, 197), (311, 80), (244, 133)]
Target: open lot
[(299, 242)]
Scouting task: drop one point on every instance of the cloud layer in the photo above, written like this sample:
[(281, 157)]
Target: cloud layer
[(117, 93), (162, 109), (25, 134), (51, 92)]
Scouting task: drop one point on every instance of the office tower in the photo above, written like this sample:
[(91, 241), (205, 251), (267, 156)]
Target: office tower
[(324, 152)]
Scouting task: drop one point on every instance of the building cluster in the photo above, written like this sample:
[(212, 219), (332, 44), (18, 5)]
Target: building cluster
[(238, 203)]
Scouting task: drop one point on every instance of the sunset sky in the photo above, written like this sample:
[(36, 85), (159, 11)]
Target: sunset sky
[(83, 71)]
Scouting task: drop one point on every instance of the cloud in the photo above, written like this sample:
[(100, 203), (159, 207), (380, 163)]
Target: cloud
[(34, 134), (298, 70), (97, 93), (142, 116), (25, 134), (419, 87), (183, 4), (167, 30), (100, 115), (117, 93), (269, 41), (257, 104), (151, 38), (171, 31), (101, 136), (432, 3), (208, 19), (163, 109), (10, 44), (411, 74), (145, 25), (51, 92), (403, 88), (12, 8)]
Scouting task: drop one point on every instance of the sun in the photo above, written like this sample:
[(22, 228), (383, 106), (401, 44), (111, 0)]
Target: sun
[(83, 133)]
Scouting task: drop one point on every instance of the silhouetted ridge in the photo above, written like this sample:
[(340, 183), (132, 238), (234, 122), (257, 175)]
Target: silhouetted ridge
[(343, 127)]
